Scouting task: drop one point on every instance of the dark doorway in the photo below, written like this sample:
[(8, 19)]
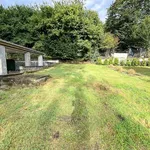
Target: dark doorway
[(11, 65)]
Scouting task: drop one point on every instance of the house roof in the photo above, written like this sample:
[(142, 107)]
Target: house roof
[(14, 48)]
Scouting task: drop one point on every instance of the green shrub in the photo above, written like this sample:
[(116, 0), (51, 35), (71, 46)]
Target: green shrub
[(143, 63), (128, 63), (116, 61), (138, 62), (135, 62), (122, 63), (148, 63), (110, 61), (99, 61), (106, 62)]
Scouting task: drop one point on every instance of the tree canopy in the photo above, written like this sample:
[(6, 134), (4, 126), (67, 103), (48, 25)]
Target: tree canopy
[(66, 30), (129, 20)]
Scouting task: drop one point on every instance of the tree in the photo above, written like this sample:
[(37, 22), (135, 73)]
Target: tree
[(65, 31), (68, 23), (109, 42), (14, 22), (142, 33), (122, 16)]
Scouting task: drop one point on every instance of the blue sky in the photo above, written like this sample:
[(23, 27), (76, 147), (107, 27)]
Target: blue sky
[(100, 6)]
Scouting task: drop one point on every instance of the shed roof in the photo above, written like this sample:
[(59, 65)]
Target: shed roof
[(14, 48)]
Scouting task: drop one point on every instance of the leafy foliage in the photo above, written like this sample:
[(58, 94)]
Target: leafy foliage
[(99, 61), (116, 61), (135, 62), (129, 20), (106, 62), (109, 41), (143, 63), (148, 63), (128, 63), (142, 33), (122, 63), (111, 60), (14, 25), (66, 31)]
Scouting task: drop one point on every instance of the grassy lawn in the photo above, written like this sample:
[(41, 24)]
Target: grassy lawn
[(81, 107), (141, 70)]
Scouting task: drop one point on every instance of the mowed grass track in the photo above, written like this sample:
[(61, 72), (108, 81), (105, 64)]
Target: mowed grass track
[(81, 107)]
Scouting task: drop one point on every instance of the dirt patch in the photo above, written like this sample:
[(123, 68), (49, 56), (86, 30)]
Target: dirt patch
[(106, 89), (56, 135), (65, 119), (29, 79), (120, 117), (101, 86)]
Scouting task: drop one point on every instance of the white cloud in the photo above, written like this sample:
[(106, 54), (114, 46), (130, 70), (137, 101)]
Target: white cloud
[(100, 6)]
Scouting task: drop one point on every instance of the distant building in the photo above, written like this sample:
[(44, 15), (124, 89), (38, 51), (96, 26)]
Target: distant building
[(137, 52), (120, 56)]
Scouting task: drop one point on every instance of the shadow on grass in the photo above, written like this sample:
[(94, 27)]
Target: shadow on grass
[(80, 121)]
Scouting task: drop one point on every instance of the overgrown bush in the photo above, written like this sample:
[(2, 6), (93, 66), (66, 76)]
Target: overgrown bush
[(135, 62), (143, 63), (128, 63), (148, 63), (106, 62), (56, 30), (99, 61), (110, 61), (122, 63), (116, 61)]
